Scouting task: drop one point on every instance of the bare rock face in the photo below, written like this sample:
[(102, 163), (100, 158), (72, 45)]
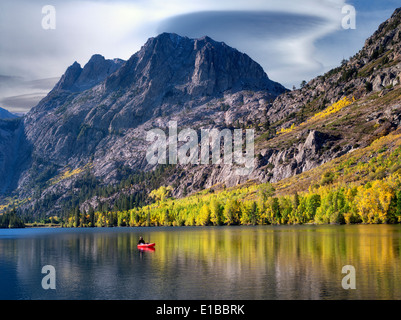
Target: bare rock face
[(315, 141), (169, 65)]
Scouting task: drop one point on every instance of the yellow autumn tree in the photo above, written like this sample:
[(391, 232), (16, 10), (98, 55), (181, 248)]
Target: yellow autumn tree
[(215, 212), (203, 218), (161, 194), (334, 108), (373, 201)]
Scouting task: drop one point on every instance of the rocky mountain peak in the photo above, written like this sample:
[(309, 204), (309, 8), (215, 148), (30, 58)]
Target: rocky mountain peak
[(69, 78), (96, 70), (169, 76), (197, 67)]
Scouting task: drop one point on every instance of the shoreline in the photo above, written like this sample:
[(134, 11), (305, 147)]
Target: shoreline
[(55, 226)]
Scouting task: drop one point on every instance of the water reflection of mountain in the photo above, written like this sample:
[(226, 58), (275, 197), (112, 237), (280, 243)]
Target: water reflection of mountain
[(302, 262)]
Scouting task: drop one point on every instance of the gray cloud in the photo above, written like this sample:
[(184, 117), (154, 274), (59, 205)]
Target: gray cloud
[(21, 103), (20, 95), (235, 24)]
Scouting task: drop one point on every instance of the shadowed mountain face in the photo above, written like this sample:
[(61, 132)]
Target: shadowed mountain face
[(15, 153), (5, 114)]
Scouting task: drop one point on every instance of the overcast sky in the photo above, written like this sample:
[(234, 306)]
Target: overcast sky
[(293, 40)]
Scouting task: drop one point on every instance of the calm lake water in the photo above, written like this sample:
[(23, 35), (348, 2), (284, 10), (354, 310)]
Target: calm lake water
[(213, 263)]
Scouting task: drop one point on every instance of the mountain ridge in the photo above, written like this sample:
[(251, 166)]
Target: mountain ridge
[(5, 114), (96, 70), (94, 113), (99, 132)]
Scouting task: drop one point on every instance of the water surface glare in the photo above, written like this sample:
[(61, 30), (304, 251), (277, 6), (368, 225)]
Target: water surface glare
[(203, 263)]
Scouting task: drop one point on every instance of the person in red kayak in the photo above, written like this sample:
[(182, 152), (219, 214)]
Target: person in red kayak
[(141, 241)]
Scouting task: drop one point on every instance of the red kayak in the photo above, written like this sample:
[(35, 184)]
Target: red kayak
[(146, 245), (147, 249)]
